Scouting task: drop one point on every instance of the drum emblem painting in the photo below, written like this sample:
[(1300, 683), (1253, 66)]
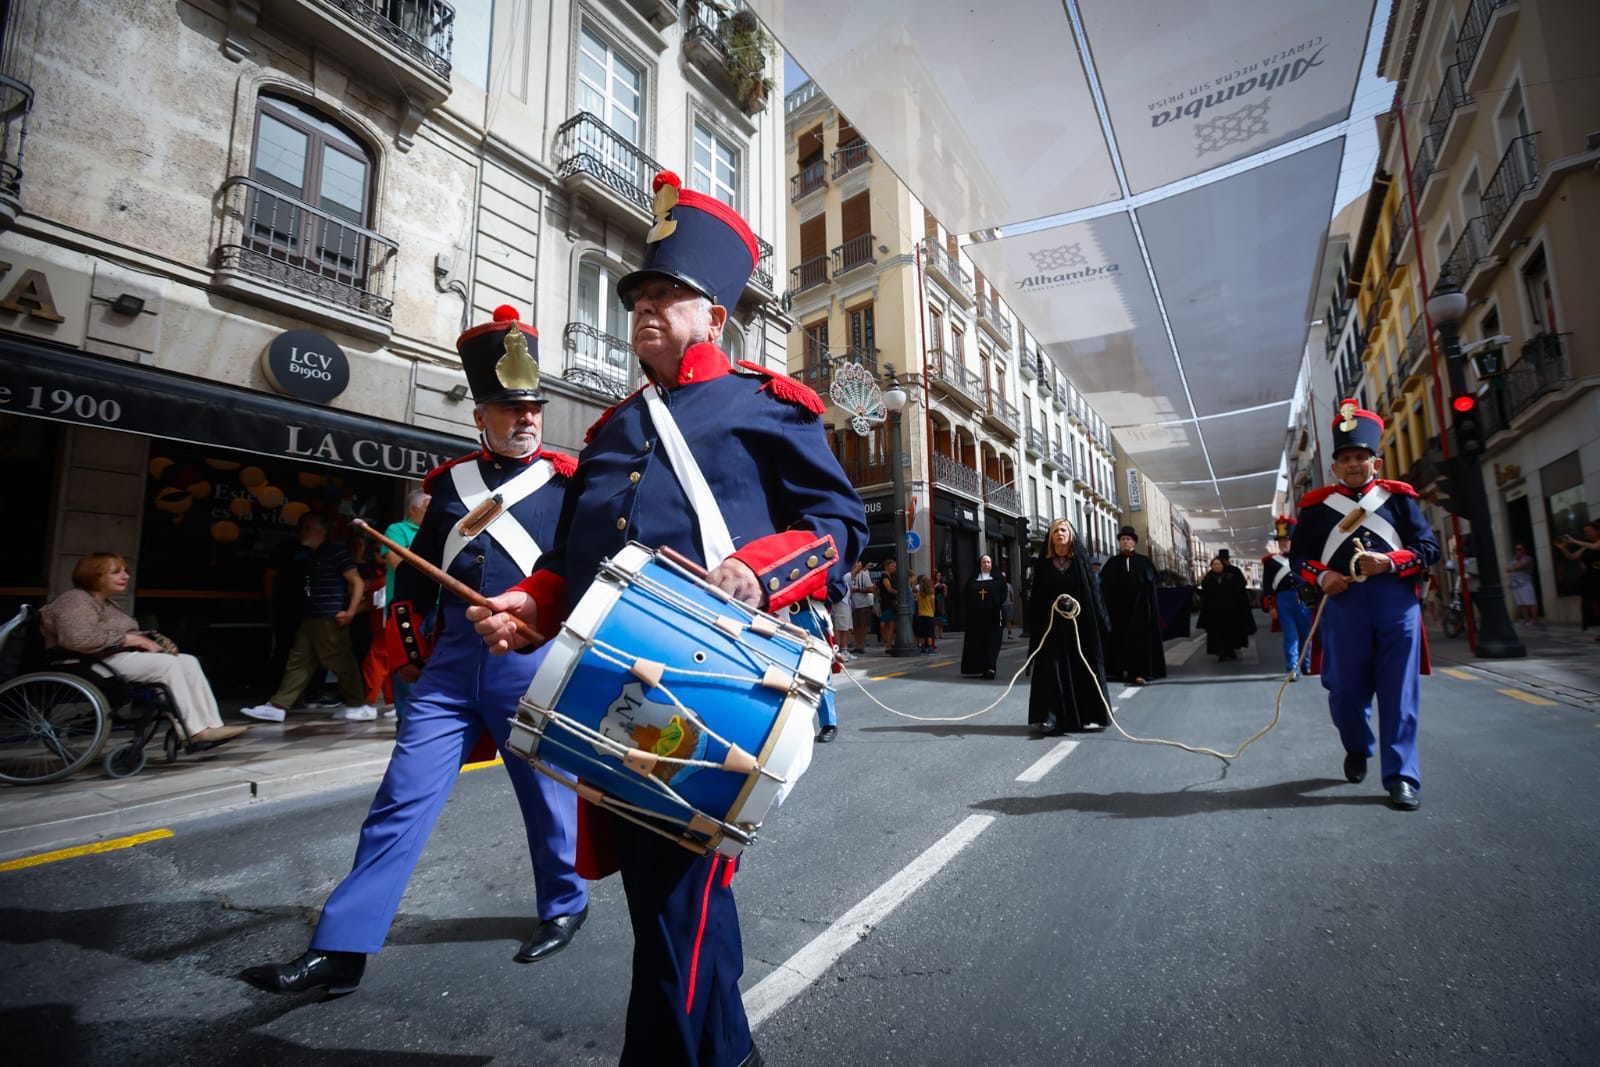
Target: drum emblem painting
[(675, 706), (639, 722)]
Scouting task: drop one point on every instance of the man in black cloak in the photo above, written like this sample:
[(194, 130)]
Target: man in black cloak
[(1128, 586)]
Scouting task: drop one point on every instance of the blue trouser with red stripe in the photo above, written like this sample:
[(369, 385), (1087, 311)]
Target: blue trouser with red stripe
[(1372, 646), (684, 1009), (463, 691)]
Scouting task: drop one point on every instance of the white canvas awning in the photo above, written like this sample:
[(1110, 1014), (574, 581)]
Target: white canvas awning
[(1163, 176)]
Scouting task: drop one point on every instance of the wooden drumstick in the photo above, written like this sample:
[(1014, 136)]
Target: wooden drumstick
[(459, 588)]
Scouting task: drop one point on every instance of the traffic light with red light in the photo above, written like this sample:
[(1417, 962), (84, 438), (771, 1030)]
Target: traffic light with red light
[(1468, 424)]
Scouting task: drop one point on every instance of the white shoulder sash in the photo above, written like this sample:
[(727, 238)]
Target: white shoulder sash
[(517, 542), (1370, 501), (715, 541)]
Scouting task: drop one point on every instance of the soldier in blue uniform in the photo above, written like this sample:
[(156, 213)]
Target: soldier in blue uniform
[(1280, 596), (1363, 542), (730, 466), (492, 514)]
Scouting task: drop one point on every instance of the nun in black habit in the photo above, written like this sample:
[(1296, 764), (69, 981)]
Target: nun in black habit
[(980, 611), (1068, 691)]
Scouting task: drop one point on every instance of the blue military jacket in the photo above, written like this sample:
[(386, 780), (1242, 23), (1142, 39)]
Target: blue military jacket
[(482, 563), (765, 456), (1393, 525), (1278, 578)]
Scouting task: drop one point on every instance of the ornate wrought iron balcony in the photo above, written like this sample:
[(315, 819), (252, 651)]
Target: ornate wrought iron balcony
[(944, 267), (812, 177), (850, 156), (16, 101), (294, 247), (1002, 496), (1517, 173), (423, 29), (597, 361), (811, 272), (856, 252), (588, 149), (951, 473)]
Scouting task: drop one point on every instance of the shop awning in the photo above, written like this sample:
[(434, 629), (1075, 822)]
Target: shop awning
[(63, 385)]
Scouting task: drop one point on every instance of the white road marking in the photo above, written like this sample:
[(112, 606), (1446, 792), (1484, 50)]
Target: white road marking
[(1131, 691), (809, 964), (1042, 765)]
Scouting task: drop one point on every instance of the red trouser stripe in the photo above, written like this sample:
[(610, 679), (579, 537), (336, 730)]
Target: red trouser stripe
[(699, 935)]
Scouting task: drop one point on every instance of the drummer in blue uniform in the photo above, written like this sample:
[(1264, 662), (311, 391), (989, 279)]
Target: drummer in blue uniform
[(1280, 589), (493, 513), (729, 465), (1365, 544)]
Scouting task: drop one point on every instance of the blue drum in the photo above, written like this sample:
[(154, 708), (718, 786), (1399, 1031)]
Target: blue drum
[(673, 704)]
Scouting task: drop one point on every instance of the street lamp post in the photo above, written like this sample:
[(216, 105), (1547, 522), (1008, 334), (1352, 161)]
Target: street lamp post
[(894, 398), (1497, 639)]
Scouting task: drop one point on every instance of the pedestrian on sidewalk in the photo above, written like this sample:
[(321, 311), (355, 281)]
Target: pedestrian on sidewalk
[(85, 621), (1373, 642), (862, 599), (378, 668), (491, 513), (1523, 593), (888, 591), (330, 600), (923, 626), (1586, 552), (941, 607)]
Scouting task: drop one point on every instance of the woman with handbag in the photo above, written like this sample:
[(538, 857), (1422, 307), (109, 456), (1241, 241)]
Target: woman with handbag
[(83, 620)]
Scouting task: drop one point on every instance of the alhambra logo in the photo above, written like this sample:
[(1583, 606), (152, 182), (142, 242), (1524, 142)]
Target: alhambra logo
[(1062, 265)]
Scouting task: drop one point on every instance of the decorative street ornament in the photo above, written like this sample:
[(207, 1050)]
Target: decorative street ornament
[(855, 389)]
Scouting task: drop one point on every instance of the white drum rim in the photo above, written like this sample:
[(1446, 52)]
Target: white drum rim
[(582, 623), (786, 753)]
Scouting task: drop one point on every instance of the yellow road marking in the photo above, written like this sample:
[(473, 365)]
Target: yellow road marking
[(84, 850), (465, 767), (1530, 698), (893, 674), (1463, 675)]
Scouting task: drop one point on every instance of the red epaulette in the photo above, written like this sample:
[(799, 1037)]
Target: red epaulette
[(605, 415), (561, 463), (1404, 488), (432, 476), (1264, 560), (1317, 496), (785, 388)]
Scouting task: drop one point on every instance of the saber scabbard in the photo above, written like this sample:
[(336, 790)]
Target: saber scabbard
[(459, 588)]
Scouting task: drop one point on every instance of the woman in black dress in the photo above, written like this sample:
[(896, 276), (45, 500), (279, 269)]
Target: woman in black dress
[(980, 615), (1065, 695), (1225, 612)]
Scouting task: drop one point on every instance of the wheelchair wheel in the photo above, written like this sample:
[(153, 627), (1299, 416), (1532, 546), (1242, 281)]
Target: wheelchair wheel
[(51, 724), (126, 760), (169, 745)]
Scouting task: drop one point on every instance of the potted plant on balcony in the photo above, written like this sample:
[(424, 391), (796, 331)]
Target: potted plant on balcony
[(746, 47)]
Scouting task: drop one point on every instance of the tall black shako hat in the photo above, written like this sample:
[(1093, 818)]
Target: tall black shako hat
[(1128, 531), (501, 359), (1356, 427), (697, 240), (1282, 528)]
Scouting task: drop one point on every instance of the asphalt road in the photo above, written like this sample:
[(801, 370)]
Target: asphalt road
[(1129, 903)]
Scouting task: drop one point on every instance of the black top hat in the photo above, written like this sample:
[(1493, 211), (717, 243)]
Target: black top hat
[(697, 240), (1222, 554), (501, 359), (1356, 427), (1283, 528), (1128, 531)]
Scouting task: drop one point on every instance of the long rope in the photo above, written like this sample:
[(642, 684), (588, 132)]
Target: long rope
[(1066, 607)]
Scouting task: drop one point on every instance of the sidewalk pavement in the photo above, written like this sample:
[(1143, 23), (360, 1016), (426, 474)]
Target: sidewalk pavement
[(313, 753)]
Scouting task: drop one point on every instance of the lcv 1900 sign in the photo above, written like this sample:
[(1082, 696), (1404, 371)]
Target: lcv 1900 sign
[(306, 365)]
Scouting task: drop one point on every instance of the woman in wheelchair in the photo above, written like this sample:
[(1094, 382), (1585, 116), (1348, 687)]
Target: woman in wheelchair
[(83, 620)]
